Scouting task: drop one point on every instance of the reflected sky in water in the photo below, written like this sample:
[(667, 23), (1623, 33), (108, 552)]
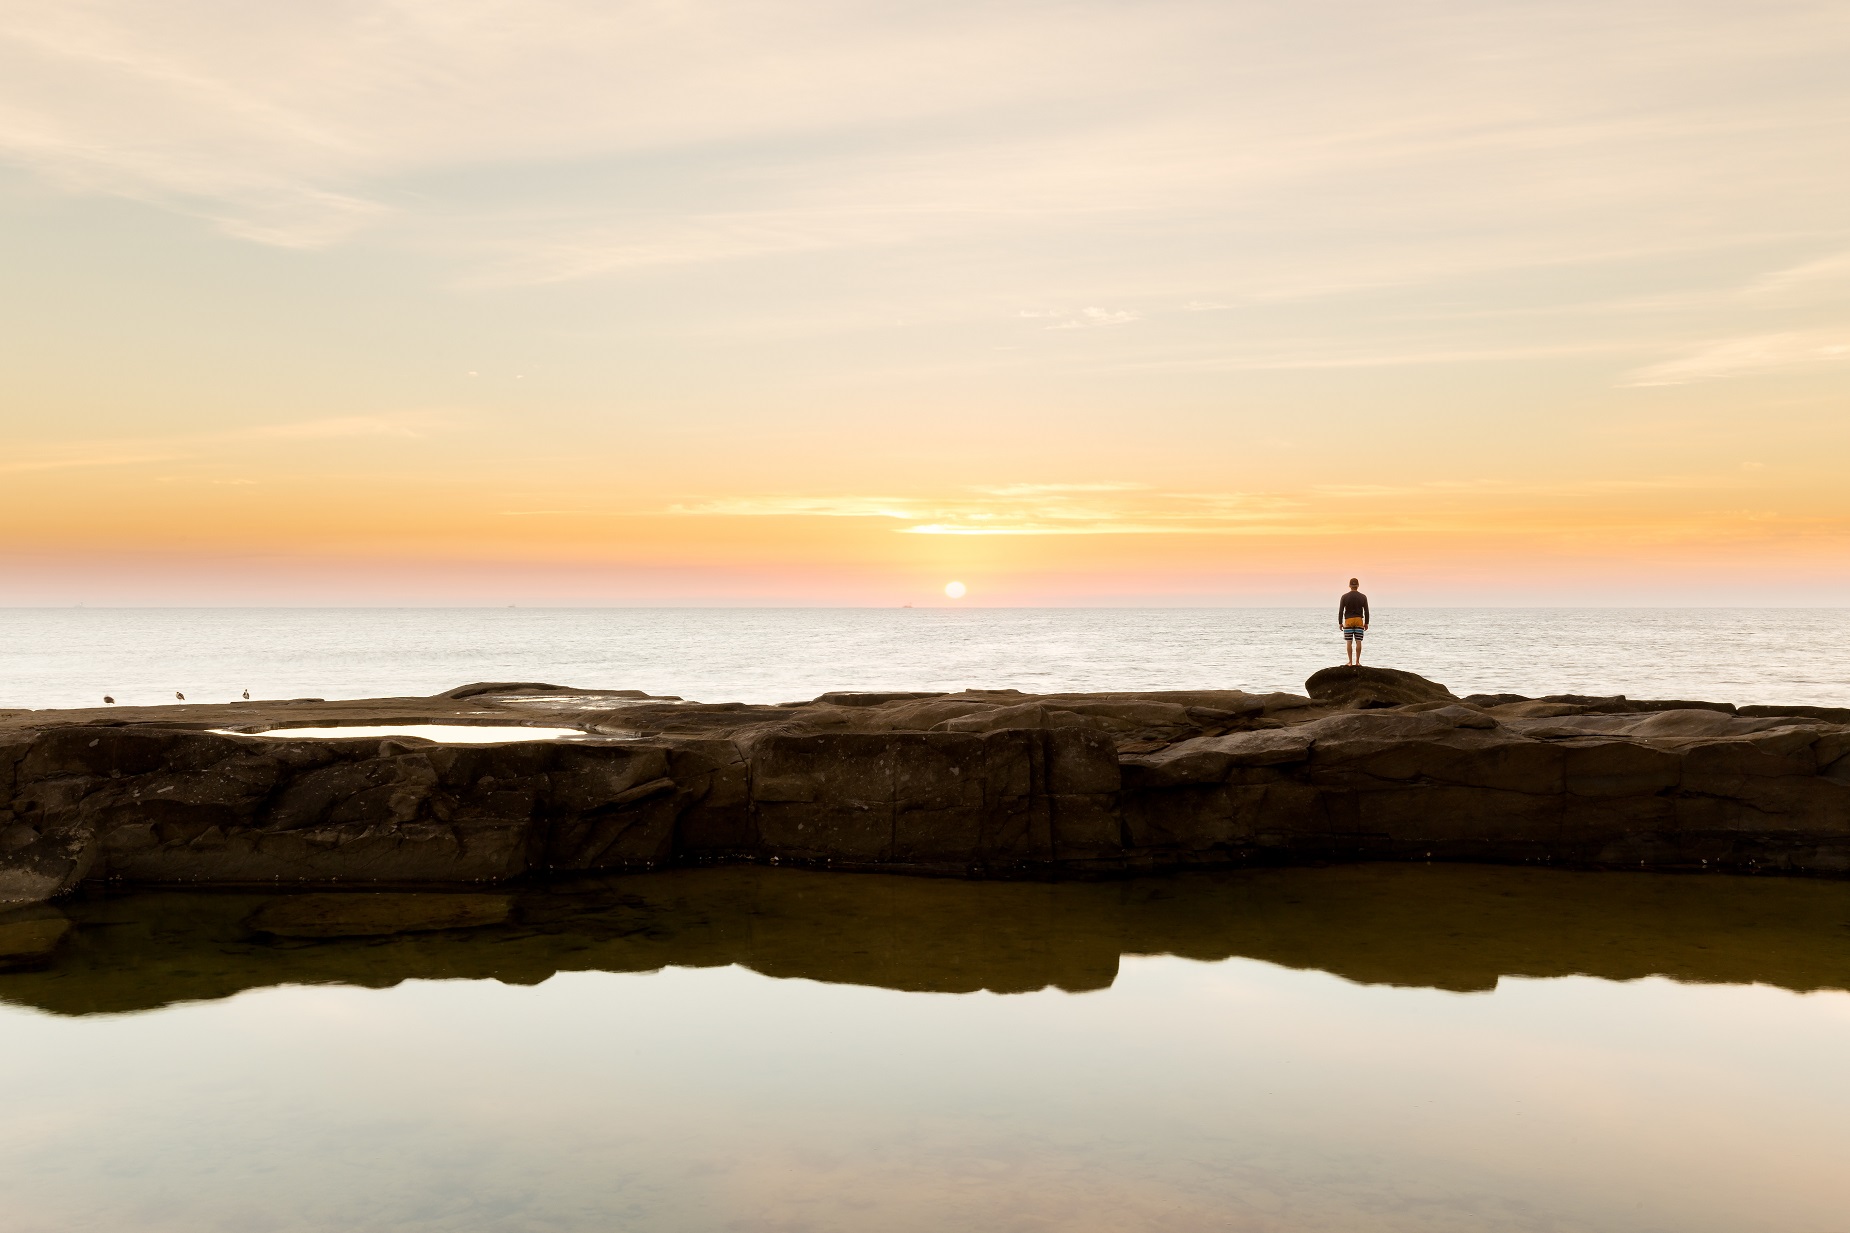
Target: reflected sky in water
[(1235, 1093), (453, 734)]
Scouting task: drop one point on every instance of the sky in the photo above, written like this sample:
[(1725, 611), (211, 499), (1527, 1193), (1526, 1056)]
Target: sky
[(807, 302)]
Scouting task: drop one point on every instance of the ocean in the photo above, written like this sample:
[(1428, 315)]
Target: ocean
[(64, 657)]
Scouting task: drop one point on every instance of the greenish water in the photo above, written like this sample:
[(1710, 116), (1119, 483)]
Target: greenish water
[(1357, 1048)]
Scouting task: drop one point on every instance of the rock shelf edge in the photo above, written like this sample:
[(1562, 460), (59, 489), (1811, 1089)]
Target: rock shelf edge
[(1370, 764)]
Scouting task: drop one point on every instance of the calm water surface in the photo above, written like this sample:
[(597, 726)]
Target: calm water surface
[(1367, 1048), (72, 657)]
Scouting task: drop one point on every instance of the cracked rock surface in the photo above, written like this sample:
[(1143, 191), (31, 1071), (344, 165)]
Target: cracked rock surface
[(1372, 764)]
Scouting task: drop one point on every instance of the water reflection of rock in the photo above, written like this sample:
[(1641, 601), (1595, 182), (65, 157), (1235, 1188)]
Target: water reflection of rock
[(30, 936), (381, 914), (1449, 927)]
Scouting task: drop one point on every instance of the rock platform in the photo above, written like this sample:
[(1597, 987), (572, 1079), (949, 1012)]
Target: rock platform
[(1369, 764)]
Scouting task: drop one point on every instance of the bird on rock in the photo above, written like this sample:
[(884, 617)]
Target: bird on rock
[(247, 695), (179, 695), (111, 701)]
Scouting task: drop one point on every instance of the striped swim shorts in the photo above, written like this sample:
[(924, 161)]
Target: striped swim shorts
[(1353, 635)]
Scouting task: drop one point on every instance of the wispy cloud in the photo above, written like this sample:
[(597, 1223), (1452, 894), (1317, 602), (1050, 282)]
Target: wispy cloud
[(1749, 356), (797, 507), (20, 466), (1081, 508), (1042, 490), (1080, 319), (1824, 271), (239, 123), (1508, 488), (568, 255), (1056, 528), (1304, 355), (1433, 507), (182, 447), (559, 513), (741, 129), (415, 424)]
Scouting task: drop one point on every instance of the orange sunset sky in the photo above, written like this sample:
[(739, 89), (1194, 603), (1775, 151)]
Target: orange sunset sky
[(832, 303)]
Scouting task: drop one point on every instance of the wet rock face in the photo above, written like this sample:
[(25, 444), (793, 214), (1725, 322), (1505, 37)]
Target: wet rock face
[(146, 805), (975, 783), (1368, 687), (1676, 789)]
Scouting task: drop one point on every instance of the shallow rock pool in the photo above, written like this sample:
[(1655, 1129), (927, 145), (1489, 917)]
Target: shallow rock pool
[(447, 734), (1356, 1048)]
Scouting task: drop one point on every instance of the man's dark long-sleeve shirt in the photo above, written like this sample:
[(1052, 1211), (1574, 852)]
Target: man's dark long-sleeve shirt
[(1352, 604)]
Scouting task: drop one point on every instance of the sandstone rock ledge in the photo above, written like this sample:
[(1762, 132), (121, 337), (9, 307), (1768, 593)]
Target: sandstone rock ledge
[(1372, 765)]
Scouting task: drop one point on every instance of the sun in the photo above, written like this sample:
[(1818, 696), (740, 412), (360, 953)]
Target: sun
[(954, 589)]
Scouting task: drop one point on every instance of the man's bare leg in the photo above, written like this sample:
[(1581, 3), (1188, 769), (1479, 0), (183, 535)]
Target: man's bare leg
[(1358, 652)]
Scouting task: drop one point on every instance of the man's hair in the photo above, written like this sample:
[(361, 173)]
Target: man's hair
[(1355, 582)]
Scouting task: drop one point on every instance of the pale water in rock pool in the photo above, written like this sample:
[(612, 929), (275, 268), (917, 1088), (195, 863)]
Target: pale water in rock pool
[(1407, 1048), (453, 734)]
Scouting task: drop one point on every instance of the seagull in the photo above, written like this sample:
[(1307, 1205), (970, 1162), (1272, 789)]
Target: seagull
[(179, 695), (247, 695), (111, 701)]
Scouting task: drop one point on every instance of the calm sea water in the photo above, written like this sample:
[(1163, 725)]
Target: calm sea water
[(72, 657)]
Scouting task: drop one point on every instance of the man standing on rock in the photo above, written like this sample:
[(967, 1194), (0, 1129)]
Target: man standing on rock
[(1352, 619)]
